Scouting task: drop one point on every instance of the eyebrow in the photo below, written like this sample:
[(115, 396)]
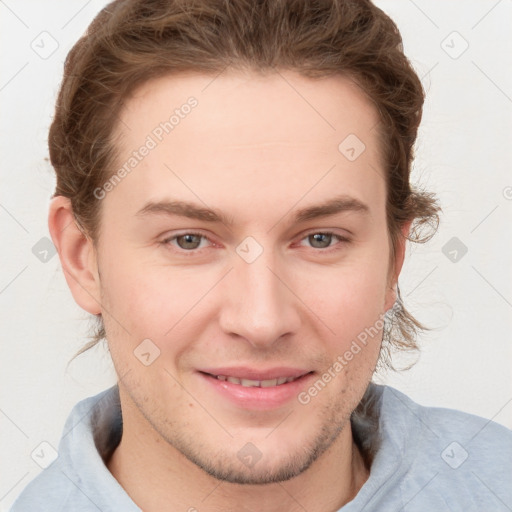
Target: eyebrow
[(193, 211)]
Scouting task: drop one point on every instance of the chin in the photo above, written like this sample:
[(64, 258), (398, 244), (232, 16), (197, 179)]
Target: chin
[(251, 466), (259, 474)]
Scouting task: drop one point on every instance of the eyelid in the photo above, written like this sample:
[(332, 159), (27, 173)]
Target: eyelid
[(172, 237), (342, 240), (326, 231)]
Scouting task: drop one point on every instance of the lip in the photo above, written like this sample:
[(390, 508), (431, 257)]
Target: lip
[(244, 372), (257, 398)]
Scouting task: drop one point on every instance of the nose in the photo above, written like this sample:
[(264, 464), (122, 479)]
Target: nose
[(258, 302)]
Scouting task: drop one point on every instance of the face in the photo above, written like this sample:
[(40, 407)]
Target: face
[(245, 243)]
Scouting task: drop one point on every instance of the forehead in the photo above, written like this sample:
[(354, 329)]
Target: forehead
[(254, 108), (279, 133)]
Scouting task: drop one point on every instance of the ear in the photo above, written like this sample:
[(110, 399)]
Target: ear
[(396, 268), (77, 255)]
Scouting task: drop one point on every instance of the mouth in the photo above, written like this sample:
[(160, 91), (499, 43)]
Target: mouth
[(255, 389), (251, 383)]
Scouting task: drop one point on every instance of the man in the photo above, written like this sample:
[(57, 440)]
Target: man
[(233, 204)]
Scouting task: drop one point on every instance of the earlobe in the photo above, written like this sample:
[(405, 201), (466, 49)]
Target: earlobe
[(400, 256), (77, 255), (392, 292)]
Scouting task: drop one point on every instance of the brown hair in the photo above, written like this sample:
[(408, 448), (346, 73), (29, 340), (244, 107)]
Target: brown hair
[(133, 41)]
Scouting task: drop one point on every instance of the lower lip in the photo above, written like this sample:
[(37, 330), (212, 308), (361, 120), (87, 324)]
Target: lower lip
[(257, 398)]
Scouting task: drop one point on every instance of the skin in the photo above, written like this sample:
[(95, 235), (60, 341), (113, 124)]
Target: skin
[(254, 149)]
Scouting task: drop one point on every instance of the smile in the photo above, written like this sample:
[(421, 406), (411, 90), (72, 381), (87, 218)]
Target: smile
[(249, 383)]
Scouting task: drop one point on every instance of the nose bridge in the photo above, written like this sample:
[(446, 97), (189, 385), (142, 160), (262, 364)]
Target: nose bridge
[(257, 305)]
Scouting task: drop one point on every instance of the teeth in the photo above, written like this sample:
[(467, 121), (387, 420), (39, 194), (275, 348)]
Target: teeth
[(249, 383)]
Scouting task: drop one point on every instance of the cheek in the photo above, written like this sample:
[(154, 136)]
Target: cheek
[(350, 304), (143, 306), (349, 295), (170, 306), (150, 300), (151, 303), (356, 318)]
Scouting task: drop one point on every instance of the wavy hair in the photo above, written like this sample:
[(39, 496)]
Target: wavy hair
[(133, 41)]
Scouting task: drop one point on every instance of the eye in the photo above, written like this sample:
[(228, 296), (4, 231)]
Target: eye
[(323, 239), (190, 241), (186, 241)]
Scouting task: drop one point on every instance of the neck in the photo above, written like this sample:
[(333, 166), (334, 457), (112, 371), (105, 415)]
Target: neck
[(158, 477)]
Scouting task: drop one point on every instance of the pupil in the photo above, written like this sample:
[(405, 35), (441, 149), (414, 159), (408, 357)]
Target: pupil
[(190, 241), (317, 237)]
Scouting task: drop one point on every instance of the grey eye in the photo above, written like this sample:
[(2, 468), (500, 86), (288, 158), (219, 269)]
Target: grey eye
[(188, 241), (322, 239)]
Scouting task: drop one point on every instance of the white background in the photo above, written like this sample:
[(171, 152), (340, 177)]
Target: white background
[(463, 154)]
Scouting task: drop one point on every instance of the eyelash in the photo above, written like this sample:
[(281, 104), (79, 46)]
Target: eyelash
[(341, 240)]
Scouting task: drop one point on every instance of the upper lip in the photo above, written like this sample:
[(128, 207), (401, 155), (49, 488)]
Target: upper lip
[(244, 372)]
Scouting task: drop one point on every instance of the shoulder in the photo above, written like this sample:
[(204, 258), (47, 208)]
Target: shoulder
[(74, 479), (449, 455), (50, 490), (476, 433)]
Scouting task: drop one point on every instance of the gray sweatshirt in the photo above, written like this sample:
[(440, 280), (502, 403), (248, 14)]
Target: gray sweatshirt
[(422, 459)]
